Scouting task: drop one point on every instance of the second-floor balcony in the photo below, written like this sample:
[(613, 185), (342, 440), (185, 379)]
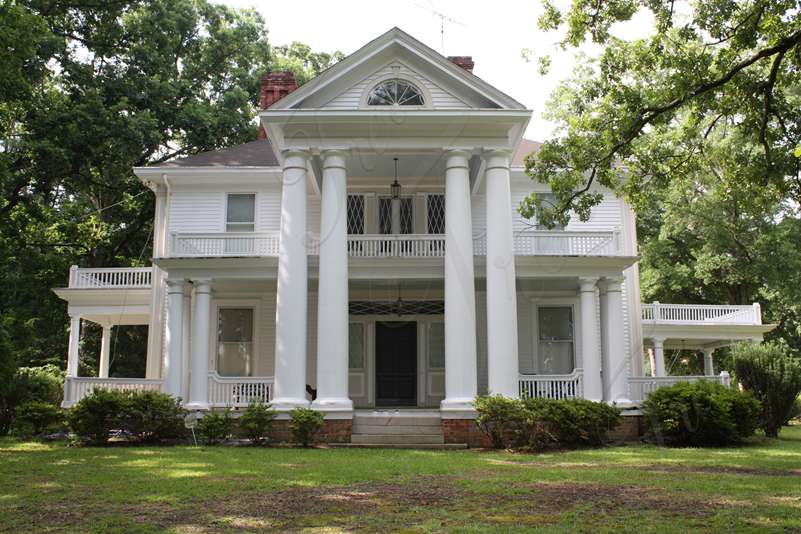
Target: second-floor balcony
[(689, 314), (527, 243)]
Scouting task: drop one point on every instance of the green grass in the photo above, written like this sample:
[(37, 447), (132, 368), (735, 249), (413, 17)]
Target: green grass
[(637, 488)]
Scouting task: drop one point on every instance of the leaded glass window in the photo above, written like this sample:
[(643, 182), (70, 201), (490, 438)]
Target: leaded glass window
[(406, 215), (435, 205), (355, 214), (395, 92), (555, 333)]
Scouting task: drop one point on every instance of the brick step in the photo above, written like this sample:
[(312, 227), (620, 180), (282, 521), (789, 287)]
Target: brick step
[(404, 420), (399, 445), (369, 428), (396, 439)]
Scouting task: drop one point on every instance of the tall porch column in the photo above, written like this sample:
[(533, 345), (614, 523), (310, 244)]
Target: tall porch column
[(173, 367), (332, 297), (502, 362), (615, 370), (709, 365), (201, 352), (461, 375), (105, 352), (72, 351), (591, 356), (659, 356), (292, 288)]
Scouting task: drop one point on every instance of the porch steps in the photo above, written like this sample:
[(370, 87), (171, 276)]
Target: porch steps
[(413, 429)]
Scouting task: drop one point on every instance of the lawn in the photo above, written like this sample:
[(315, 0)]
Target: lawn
[(637, 488)]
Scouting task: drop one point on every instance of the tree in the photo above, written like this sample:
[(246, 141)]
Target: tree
[(709, 66), (91, 89)]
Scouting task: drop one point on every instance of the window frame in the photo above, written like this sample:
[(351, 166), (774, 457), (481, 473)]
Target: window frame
[(427, 104), (554, 302), (228, 194), (233, 303)]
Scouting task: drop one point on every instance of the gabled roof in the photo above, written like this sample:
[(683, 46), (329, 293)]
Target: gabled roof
[(399, 38), (253, 154)]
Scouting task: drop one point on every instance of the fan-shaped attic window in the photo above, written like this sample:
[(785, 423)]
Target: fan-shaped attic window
[(395, 92)]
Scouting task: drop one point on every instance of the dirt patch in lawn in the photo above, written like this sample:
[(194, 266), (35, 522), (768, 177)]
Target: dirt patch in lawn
[(721, 470)]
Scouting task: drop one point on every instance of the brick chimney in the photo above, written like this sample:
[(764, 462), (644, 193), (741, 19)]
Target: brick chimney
[(273, 86), (466, 62)]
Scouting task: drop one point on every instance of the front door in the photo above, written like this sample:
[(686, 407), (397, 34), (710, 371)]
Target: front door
[(396, 363)]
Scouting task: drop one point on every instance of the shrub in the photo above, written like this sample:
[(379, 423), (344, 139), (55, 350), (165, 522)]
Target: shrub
[(152, 416), (795, 411), (499, 417), (566, 423), (35, 418), (773, 377), (95, 416), (256, 421), (304, 424), (40, 384), (700, 414), (215, 427)]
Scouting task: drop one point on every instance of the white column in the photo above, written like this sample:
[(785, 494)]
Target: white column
[(659, 356), (502, 361), (461, 379), (186, 340), (173, 367), (332, 296), (615, 370), (590, 353), (292, 290), (709, 365), (200, 338), (74, 342), (105, 352), (155, 343)]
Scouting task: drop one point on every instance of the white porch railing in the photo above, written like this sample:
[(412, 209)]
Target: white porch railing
[(224, 244), (642, 386), (396, 246), (110, 277), (701, 313), (566, 243), (238, 391), (78, 387), (553, 386)]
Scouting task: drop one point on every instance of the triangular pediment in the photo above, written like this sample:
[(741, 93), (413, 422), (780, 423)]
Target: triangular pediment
[(395, 54)]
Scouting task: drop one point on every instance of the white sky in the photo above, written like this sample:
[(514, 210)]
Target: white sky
[(495, 35)]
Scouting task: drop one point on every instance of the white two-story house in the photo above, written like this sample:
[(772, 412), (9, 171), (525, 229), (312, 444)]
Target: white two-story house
[(368, 249)]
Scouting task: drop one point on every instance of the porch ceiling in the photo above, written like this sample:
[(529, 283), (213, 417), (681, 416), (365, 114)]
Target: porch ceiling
[(703, 336)]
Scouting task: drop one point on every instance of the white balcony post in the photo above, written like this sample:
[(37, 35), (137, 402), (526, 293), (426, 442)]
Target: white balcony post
[(292, 288), (461, 376), (74, 344), (659, 356), (757, 313), (332, 301), (105, 352), (200, 353), (709, 365), (591, 356), (502, 362), (615, 370), (173, 367)]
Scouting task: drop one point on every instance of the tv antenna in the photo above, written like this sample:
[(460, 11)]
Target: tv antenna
[(443, 18)]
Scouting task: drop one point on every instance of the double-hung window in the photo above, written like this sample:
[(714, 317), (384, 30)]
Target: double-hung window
[(235, 342), (555, 352), (240, 213)]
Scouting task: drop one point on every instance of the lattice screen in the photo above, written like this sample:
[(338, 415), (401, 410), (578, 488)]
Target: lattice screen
[(355, 214), (435, 206), (391, 307)]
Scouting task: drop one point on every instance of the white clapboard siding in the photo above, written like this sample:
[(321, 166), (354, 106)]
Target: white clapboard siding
[(311, 341), (269, 209), (481, 341), (265, 365), (313, 215), (605, 216), (351, 99), (478, 212), (197, 211)]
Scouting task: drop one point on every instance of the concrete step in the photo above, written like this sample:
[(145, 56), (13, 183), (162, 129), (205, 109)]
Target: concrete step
[(399, 445), (360, 427), (396, 439), (397, 420)]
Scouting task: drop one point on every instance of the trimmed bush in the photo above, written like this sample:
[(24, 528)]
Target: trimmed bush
[(304, 424), (96, 416), (773, 377), (256, 422), (39, 384), (566, 423), (215, 427), (153, 416), (500, 418), (35, 418), (700, 414)]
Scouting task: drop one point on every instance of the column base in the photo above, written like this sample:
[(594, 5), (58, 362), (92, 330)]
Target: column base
[(333, 405), (288, 403), (622, 402), (197, 406), (456, 408)]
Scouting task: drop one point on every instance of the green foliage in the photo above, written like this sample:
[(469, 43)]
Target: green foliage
[(96, 416), (500, 418), (567, 423), (795, 411), (215, 426), (700, 414), (304, 424), (773, 377), (153, 416), (35, 418), (256, 421), (30, 384)]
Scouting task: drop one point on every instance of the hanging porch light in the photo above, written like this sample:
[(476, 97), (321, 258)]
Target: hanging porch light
[(395, 188)]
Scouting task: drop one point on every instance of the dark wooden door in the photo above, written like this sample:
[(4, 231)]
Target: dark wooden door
[(396, 363)]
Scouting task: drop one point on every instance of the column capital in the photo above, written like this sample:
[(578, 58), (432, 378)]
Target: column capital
[(334, 158), (497, 158), (657, 340), (457, 157), (611, 284), (175, 285), (202, 285), (295, 158), (588, 283)]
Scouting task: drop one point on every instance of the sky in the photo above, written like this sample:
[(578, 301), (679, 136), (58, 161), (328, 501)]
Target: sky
[(493, 33)]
